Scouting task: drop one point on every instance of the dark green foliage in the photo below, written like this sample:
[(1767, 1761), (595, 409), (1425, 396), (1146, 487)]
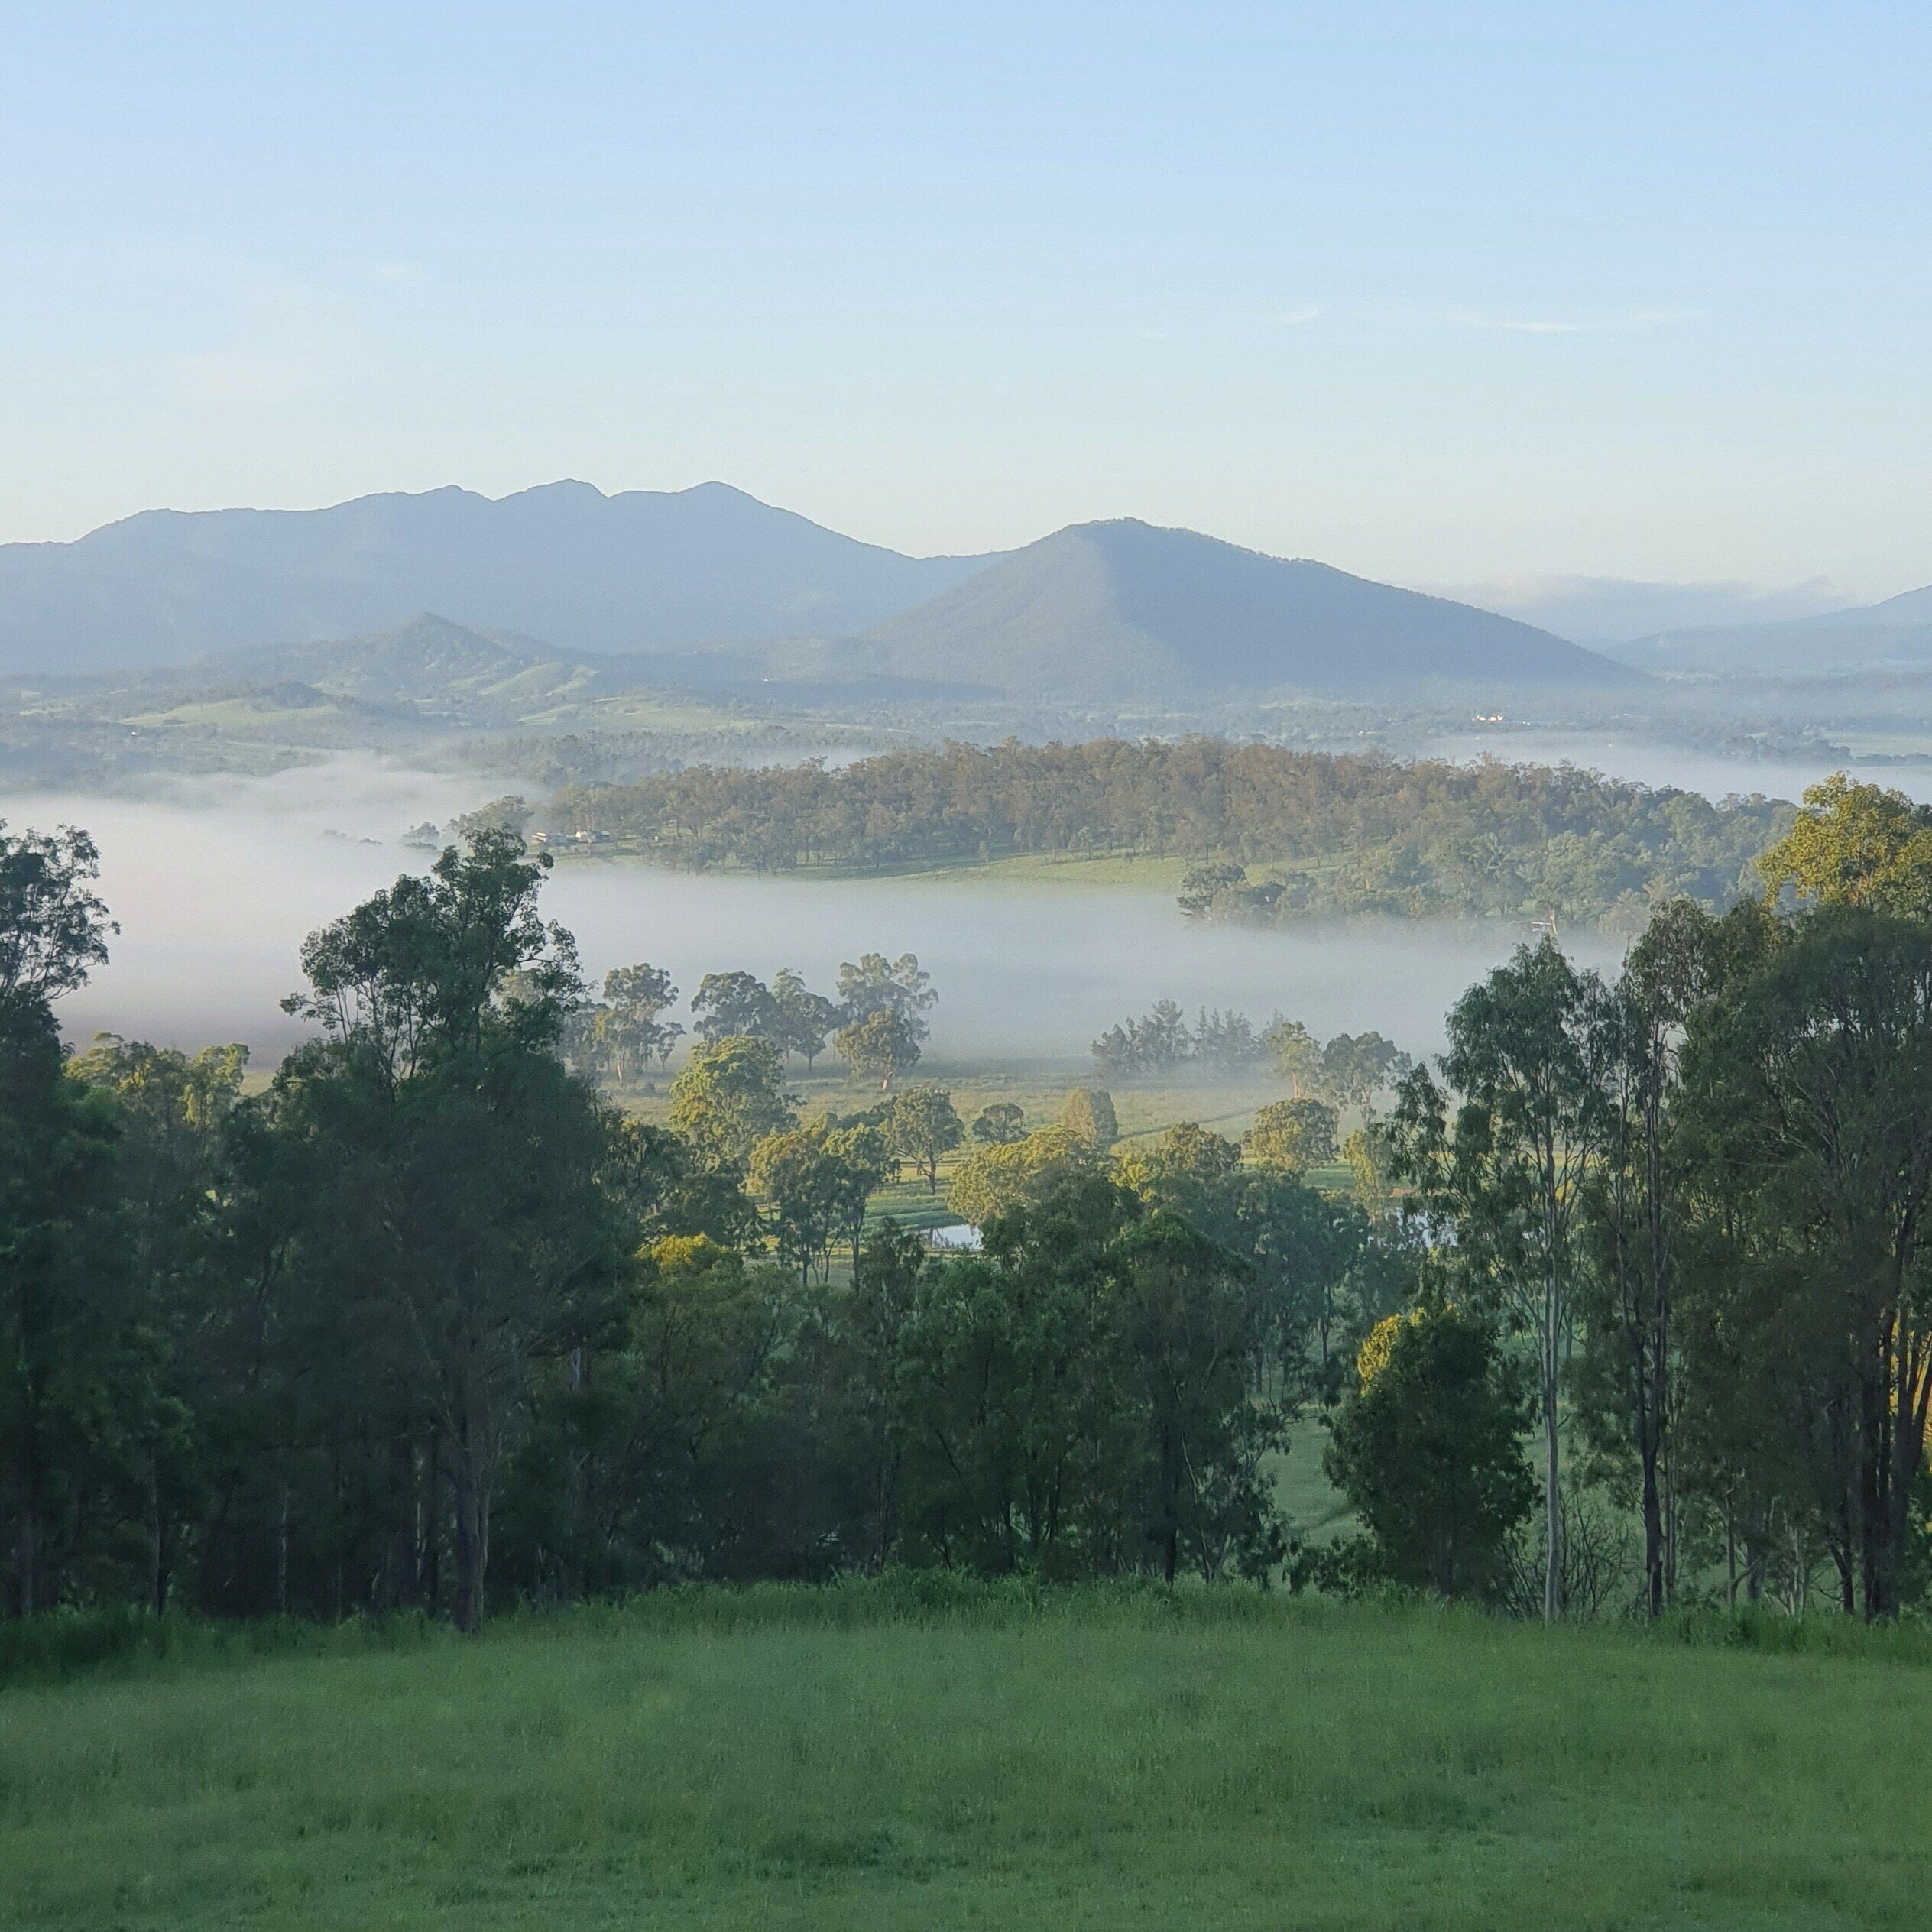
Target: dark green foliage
[(1080, 1398), (1809, 1095), (1426, 1451), (922, 1126), (1348, 835), (726, 1003), (1000, 1124)]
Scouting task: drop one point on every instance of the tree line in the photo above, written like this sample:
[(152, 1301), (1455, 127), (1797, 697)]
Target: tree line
[(423, 1322), (1677, 1224), (1349, 1069), (877, 1025), (1331, 834)]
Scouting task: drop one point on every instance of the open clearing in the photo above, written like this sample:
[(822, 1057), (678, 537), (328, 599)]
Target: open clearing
[(802, 1759)]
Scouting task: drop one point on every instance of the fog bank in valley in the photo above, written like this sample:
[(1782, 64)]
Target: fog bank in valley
[(1643, 760), (216, 885)]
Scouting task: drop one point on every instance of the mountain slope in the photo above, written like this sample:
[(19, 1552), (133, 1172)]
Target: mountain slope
[(1603, 612), (1898, 631), (428, 660), (1124, 608), (638, 572)]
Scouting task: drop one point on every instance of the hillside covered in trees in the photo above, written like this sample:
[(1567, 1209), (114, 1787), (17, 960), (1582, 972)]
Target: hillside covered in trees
[(1290, 834)]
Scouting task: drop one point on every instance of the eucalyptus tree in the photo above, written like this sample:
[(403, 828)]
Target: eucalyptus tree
[(1811, 1082), (465, 1160), (923, 1127), (1500, 1154), (805, 1020), (729, 1095), (63, 1323), (728, 1003)]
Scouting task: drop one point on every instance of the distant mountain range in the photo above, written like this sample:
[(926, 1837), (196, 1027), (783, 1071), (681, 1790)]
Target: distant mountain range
[(1874, 637), (1603, 612), (709, 587), (640, 572)]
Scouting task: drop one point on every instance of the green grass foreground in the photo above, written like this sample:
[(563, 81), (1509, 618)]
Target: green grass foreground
[(906, 1756)]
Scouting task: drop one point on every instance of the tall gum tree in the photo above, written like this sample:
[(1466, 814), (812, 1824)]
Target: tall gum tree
[(1507, 1171)]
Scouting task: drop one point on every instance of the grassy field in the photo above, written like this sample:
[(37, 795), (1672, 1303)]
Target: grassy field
[(797, 1760)]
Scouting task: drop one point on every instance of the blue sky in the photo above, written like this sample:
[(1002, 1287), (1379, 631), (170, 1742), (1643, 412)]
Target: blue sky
[(1431, 291)]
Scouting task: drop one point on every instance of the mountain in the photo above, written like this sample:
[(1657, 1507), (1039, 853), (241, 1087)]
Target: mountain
[(1126, 609), (1603, 611), (1874, 637), (643, 571), (428, 661)]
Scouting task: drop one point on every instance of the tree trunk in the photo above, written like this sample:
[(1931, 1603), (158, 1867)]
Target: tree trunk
[(158, 1577), (472, 1536), (1552, 1464), (1653, 1530), (281, 1555), (27, 1556)]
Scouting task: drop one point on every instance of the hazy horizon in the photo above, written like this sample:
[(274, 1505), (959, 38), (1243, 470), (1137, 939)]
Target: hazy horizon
[(1431, 298)]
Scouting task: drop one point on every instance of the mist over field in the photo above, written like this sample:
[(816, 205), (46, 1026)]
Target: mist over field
[(216, 884)]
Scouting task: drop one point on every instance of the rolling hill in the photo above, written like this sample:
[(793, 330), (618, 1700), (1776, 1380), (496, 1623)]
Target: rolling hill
[(1874, 637), (643, 571), (1124, 609)]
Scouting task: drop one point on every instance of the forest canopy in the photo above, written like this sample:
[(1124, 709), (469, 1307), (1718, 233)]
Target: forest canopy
[(1281, 834)]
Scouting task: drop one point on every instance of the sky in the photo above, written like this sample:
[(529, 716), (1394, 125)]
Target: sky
[(1430, 291)]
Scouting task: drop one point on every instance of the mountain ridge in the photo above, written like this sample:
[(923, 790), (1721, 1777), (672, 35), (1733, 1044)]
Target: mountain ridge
[(1123, 607), (741, 595), (1895, 631), (639, 571)]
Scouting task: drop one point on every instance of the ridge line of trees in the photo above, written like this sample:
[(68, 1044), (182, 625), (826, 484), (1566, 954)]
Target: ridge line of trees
[(1334, 833)]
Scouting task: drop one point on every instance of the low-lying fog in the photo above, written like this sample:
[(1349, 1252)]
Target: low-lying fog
[(216, 887), (1644, 761)]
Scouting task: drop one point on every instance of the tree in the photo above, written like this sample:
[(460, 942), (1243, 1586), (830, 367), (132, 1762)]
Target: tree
[(880, 1047), (996, 1180), (1427, 1451), (1292, 1135), (1368, 1154), (454, 1152), (1000, 1124), (816, 1180), (1187, 1155), (1012, 1406), (1856, 845), (1157, 1044), (1355, 1067), (1294, 1054), (53, 927), (1193, 1333), (647, 1459), (872, 984), (635, 1029), (1225, 1042), (172, 1176), (805, 1020), (1525, 1047), (729, 1003), (507, 815), (1201, 884), (1812, 1080), (922, 1127), (730, 1095), (1636, 1199), (67, 1381), (1088, 1112), (64, 1337)]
